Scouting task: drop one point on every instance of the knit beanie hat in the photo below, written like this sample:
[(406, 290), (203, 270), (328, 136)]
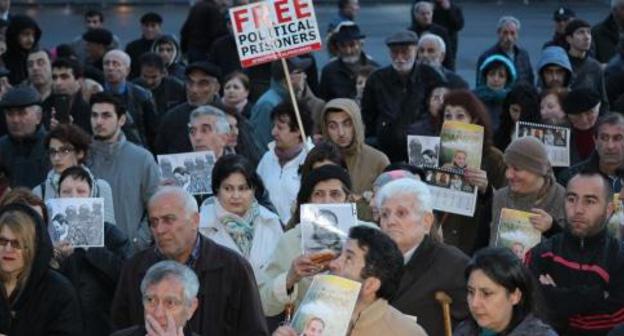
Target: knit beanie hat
[(528, 153), (580, 100)]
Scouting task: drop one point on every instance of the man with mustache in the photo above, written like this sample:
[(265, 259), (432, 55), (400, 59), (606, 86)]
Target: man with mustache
[(394, 96), (130, 169), (608, 155), (581, 270)]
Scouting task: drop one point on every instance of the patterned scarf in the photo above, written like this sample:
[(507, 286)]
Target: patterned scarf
[(239, 228)]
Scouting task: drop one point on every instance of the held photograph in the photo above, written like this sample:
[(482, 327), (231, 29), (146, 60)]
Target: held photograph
[(461, 145), (79, 221), (325, 227), (191, 171)]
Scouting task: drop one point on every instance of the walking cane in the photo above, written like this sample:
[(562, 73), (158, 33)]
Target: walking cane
[(445, 301)]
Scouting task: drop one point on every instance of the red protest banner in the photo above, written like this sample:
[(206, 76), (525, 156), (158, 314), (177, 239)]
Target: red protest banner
[(275, 29)]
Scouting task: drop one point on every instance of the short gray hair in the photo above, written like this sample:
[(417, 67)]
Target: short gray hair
[(169, 269), (222, 126), (406, 187), (188, 201), (125, 58), (505, 20), (421, 4), (428, 37)]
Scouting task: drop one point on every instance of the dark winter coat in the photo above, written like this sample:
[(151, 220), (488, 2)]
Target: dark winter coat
[(440, 31), (229, 303), (173, 132), (79, 110), (142, 122), (338, 80), (453, 20), (135, 50), (203, 25), (605, 37), (15, 56), (47, 305), (224, 54), (169, 94), (25, 159)]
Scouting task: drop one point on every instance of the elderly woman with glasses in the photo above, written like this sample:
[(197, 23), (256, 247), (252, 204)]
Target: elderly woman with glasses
[(68, 146)]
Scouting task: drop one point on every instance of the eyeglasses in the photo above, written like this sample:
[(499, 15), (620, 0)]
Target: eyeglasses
[(61, 152), (169, 303), (13, 242)]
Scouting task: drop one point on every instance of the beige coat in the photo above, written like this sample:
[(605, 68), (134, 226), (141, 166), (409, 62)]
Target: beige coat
[(382, 319)]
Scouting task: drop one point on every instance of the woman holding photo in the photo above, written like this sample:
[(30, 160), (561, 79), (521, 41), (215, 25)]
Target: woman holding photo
[(93, 271), (531, 186), (461, 231), (234, 218), (502, 297)]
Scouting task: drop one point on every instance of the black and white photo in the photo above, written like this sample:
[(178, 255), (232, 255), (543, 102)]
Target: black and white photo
[(190, 171), (79, 221)]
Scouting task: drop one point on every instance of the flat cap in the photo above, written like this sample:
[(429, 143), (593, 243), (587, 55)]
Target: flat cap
[(20, 96), (402, 37), (580, 100), (206, 67)]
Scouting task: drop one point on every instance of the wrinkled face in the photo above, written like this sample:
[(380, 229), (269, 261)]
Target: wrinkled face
[(508, 36), (115, 68), (232, 136), (201, 88), (104, 122), (424, 15), (496, 78), (328, 191), (39, 68), (174, 230), (11, 253), (586, 205), (349, 51), (152, 76), (400, 219), (403, 57), (436, 100), (522, 181), (340, 128), (63, 155), (150, 30), (550, 108), (554, 76), (490, 304), (92, 22), (234, 92), (429, 53), (72, 187), (167, 52), (581, 39), (515, 111), (610, 143), (284, 136), (22, 121), (456, 113), (586, 120), (64, 82), (235, 194), (26, 38), (166, 298), (204, 136)]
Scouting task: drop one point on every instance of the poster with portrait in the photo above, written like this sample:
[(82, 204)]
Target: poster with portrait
[(191, 171), (327, 306), (461, 145), (79, 221), (556, 140), (450, 191), (615, 223), (516, 232), (423, 150), (325, 227)]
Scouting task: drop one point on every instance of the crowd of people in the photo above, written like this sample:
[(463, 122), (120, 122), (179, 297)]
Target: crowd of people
[(87, 119)]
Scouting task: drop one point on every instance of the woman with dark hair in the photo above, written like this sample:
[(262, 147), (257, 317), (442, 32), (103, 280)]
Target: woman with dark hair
[(551, 107), (67, 146), (461, 231), (35, 300), (435, 100), (520, 104), (241, 139), (234, 218), (325, 152), (501, 297), (94, 271), (236, 93)]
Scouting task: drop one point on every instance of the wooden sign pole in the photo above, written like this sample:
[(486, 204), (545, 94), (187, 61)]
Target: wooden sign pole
[(293, 99)]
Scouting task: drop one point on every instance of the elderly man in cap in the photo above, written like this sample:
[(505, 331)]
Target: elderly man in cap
[(338, 77), (582, 108), (562, 16), (142, 123), (394, 96), (202, 88), (22, 150), (229, 303), (508, 29), (278, 92), (422, 23)]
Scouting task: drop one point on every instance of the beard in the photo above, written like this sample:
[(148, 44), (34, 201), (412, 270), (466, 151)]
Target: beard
[(350, 59), (403, 67)]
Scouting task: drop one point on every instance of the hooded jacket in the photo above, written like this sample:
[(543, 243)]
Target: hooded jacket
[(15, 56), (554, 55), (177, 67), (364, 162), (47, 304), (492, 99)]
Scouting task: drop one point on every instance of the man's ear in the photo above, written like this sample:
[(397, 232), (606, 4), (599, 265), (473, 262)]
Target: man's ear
[(122, 120), (370, 286)]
